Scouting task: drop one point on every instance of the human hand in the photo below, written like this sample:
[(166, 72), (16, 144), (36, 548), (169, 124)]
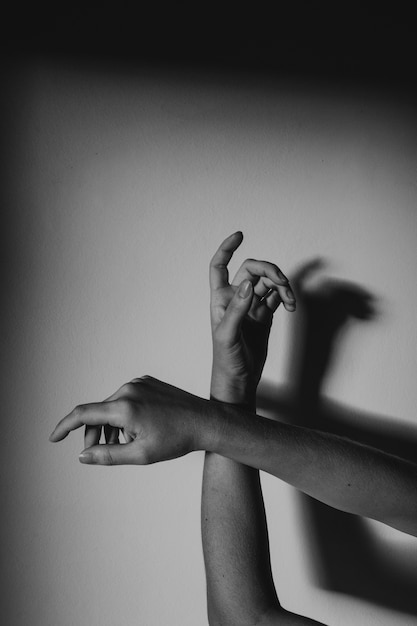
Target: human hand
[(241, 316), (158, 421)]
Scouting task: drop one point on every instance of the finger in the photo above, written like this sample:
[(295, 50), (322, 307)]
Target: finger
[(111, 434), (253, 270), (264, 286), (290, 306), (274, 298), (94, 414), (268, 274), (113, 454), (127, 436), (272, 301), (270, 295), (219, 275), (285, 293), (125, 391), (92, 435), (236, 311), (259, 310)]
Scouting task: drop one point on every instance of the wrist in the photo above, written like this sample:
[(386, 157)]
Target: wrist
[(232, 392), (228, 395), (232, 389), (207, 431), (221, 421)]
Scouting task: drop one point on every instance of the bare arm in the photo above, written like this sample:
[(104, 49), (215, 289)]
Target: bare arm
[(344, 474), (162, 422), (240, 587)]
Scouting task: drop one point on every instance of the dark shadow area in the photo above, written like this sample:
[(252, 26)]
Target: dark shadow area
[(343, 41), (350, 558)]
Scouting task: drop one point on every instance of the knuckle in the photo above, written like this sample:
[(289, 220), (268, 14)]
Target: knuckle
[(78, 411), (217, 260), (147, 379), (127, 388), (125, 407)]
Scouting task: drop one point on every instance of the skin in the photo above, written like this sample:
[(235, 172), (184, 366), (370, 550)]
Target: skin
[(240, 587), (240, 343), (160, 422)]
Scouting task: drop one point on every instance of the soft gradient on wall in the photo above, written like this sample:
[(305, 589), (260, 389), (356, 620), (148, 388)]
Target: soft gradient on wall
[(120, 187)]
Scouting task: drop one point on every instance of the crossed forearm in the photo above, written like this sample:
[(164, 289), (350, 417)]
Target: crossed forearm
[(344, 474), (163, 422)]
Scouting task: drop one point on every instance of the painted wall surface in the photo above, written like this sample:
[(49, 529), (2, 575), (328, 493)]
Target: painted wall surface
[(120, 186)]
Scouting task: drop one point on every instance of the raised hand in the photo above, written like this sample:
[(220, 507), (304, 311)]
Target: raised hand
[(240, 587), (159, 422), (241, 317)]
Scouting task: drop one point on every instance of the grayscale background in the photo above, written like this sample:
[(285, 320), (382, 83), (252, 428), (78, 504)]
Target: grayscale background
[(126, 161)]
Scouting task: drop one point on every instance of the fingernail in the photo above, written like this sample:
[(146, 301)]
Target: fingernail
[(245, 289), (86, 457)]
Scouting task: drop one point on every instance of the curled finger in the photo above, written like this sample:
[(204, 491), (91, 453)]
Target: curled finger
[(94, 414), (127, 436), (92, 436), (111, 434), (272, 300), (270, 292)]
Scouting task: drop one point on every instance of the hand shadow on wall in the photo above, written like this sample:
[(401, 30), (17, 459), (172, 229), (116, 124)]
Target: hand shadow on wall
[(351, 559)]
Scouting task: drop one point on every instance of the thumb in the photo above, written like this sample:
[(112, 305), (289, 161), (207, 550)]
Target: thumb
[(110, 454), (237, 309)]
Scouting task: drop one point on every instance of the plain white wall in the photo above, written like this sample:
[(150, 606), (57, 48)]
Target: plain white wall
[(120, 187)]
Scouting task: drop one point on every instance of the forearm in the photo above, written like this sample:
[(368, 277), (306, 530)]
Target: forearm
[(234, 534), (341, 473)]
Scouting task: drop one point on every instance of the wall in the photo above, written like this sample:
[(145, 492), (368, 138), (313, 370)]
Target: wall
[(120, 186)]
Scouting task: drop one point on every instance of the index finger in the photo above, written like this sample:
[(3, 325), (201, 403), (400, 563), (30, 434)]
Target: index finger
[(219, 275), (94, 414)]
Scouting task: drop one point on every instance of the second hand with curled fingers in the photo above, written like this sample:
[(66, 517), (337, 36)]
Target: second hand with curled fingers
[(156, 419)]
